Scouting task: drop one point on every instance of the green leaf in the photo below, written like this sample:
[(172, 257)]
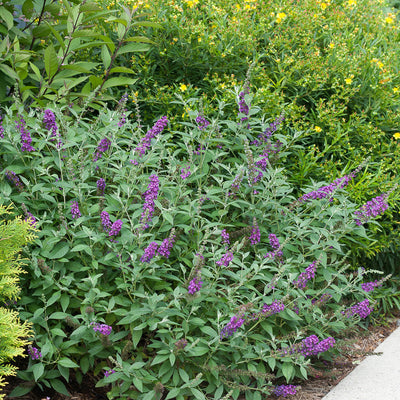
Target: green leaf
[(136, 335), (105, 56), (173, 393), (133, 48), (209, 331), (198, 394), (58, 315), (287, 371), (85, 364), (58, 332), (37, 370), (50, 61), (20, 391), (120, 81), (184, 375), (7, 17), (59, 387), (122, 70), (9, 71), (83, 247), (59, 251), (65, 299), (160, 358), (68, 363)]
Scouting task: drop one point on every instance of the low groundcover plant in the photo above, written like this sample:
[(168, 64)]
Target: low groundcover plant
[(162, 282)]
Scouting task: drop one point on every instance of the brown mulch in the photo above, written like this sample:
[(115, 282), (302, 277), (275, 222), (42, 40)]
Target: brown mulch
[(357, 345)]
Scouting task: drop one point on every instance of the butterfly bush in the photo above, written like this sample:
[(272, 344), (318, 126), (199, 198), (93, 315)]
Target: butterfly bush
[(152, 253), (26, 140)]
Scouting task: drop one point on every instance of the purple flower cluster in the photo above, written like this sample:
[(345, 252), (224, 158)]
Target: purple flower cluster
[(108, 373), (1, 128), (75, 210), (304, 277), (370, 286), (105, 221), (181, 344), (323, 299), (26, 140), (150, 195), (225, 237), (13, 177), (165, 248), (272, 127), (101, 186), (255, 233), (145, 143), (362, 309), (49, 120), (274, 243), (121, 107), (103, 329), (115, 228), (102, 147), (31, 219), (310, 346), (372, 208), (225, 259), (243, 106), (202, 123), (284, 390), (265, 156), (185, 172), (327, 191), (236, 184), (149, 252), (267, 310), (34, 353), (232, 326), (199, 150), (195, 284)]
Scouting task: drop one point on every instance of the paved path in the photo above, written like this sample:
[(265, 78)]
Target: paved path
[(376, 378)]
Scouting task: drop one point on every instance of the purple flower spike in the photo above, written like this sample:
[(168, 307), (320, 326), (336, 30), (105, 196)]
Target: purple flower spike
[(361, 309), (26, 139), (285, 390), (149, 252), (105, 221), (49, 120), (103, 329), (304, 277), (13, 177), (225, 237), (243, 106), (255, 233), (34, 353), (115, 228), (102, 147), (225, 259), (75, 210), (101, 186), (370, 286), (202, 123), (195, 284), (108, 373), (232, 326), (166, 246), (1, 128), (145, 143), (185, 172), (377, 206)]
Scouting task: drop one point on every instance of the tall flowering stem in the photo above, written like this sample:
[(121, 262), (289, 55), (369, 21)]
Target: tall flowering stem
[(310, 346), (1, 128), (102, 147), (13, 177), (305, 276), (377, 206), (150, 195), (75, 210), (167, 244), (115, 228), (274, 243), (145, 143), (26, 140), (149, 252), (201, 122), (255, 233), (362, 309)]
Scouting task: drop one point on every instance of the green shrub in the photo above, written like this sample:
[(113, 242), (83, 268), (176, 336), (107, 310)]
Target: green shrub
[(65, 52), (14, 233), (156, 262)]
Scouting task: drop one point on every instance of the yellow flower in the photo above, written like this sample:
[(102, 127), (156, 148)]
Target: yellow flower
[(331, 45), (396, 90), (352, 3), (390, 18), (183, 87), (199, 39), (280, 17), (397, 135), (323, 6), (317, 129), (348, 81)]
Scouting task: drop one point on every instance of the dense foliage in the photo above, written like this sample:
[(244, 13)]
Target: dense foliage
[(178, 261), (14, 233)]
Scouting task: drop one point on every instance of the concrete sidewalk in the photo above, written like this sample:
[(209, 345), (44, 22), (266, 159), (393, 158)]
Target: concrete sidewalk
[(376, 378)]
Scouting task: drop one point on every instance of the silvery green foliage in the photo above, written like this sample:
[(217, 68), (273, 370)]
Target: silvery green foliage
[(206, 279)]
